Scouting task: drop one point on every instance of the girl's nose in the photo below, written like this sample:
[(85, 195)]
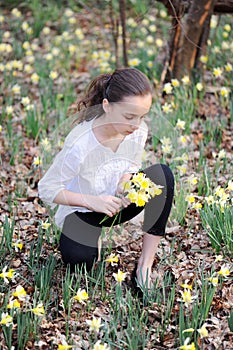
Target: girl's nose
[(135, 124)]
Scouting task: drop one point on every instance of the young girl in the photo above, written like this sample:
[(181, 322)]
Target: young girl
[(99, 155)]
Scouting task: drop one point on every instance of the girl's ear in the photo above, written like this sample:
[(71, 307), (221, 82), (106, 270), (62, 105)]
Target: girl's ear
[(106, 105)]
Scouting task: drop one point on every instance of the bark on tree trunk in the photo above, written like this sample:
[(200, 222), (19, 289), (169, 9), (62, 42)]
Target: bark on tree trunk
[(189, 37)]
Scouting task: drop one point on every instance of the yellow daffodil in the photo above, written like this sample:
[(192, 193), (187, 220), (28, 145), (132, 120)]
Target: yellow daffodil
[(6, 320), (81, 296), (204, 59), (217, 72), (218, 258), (168, 88), (16, 89), (53, 75), (175, 82), (203, 331), (185, 285), (214, 281), (37, 161), (25, 101), (228, 67), (159, 42), (55, 51), (167, 108), (133, 62), (199, 86), (187, 346), (112, 259), (13, 304), (20, 293), (187, 297), (192, 180), (120, 276), (0, 128), (7, 274), (185, 80), (183, 139), (15, 12), (94, 324), (224, 91), (9, 110), (78, 32), (64, 347), (46, 30), (38, 310), (165, 141), (99, 346), (68, 12), (224, 271), (227, 27), (18, 245), (166, 149), (155, 190), (197, 205), (182, 169), (163, 13), (35, 78), (45, 225), (180, 124)]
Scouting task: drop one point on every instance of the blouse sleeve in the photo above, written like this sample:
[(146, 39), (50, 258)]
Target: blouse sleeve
[(65, 167)]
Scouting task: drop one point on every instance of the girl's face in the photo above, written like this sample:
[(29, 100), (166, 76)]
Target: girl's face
[(125, 116)]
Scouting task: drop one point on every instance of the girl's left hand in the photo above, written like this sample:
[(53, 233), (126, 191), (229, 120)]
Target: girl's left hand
[(120, 189)]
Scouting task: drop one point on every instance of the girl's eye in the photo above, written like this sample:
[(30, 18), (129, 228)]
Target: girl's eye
[(128, 117)]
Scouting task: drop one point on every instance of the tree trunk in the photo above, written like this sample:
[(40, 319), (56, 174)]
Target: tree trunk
[(190, 35)]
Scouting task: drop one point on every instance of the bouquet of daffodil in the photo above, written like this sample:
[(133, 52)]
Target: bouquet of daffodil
[(139, 189)]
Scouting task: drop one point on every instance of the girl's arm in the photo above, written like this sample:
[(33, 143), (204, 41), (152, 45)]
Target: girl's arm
[(108, 205)]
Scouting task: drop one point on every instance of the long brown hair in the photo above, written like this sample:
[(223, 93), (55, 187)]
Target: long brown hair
[(121, 83)]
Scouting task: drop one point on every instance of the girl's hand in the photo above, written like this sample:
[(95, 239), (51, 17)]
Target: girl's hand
[(120, 189), (108, 205)]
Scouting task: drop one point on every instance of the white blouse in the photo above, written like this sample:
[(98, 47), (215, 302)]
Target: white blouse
[(86, 166)]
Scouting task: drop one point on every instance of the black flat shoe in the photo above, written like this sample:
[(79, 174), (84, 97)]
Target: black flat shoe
[(136, 289)]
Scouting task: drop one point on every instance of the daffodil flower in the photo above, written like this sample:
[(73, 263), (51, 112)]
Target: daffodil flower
[(38, 310), (20, 293), (187, 297), (13, 304), (45, 225), (187, 346), (120, 276), (224, 271), (112, 259), (6, 320), (185, 285), (81, 296), (18, 245), (203, 331), (94, 324), (7, 274), (99, 346), (214, 281), (64, 347)]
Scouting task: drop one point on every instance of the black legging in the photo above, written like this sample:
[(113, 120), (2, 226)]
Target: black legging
[(81, 231)]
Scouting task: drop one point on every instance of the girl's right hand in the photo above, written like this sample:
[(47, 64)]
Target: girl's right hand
[(109, 205)]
